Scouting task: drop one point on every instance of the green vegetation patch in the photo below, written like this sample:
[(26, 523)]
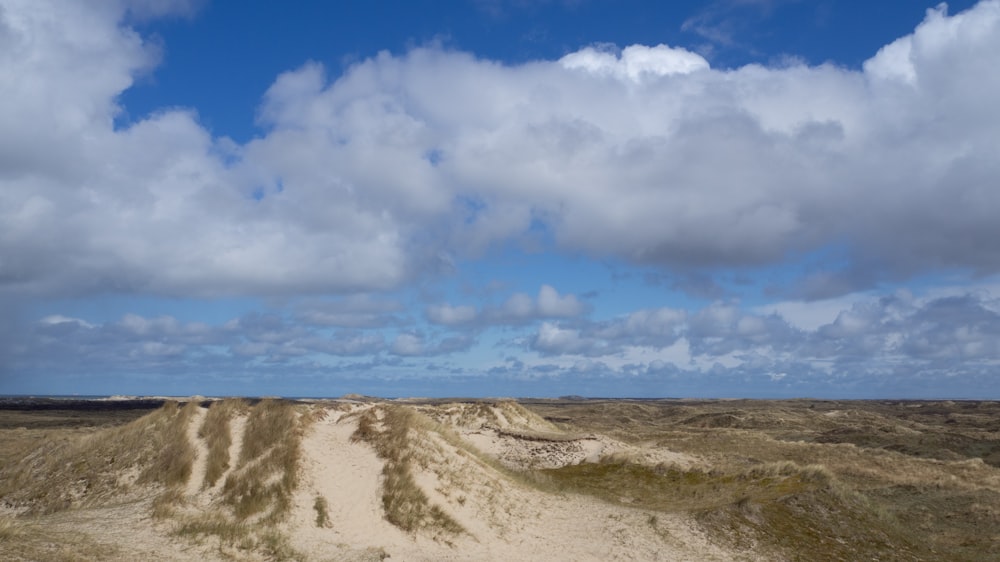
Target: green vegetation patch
[(668, 488), (817, 525)]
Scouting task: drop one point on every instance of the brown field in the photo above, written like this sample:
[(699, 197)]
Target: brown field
[(500, 480)]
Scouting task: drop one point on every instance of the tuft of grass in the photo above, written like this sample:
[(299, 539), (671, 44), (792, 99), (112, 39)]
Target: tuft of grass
[(88, 470), (240, 535), (263, 482), (275, 546), (34, 540), (10, 528), (373, 554), (256, 495), (216, 430), (405, 503), (172, 466), (175, 456), (166, 504), (322, 512), (214, 524)]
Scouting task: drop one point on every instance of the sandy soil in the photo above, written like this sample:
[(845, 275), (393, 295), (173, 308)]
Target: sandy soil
[(197, 479), (749, 480), (503, 518)]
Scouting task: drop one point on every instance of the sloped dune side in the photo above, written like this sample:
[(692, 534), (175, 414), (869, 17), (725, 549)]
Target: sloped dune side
[(522, 440), (498, 516), (332, 481)]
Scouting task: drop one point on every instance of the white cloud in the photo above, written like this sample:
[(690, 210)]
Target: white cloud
[(518, 307), (408, 344), (60, 319), (416, 345), (152, 207), (649, 328), (553, 339), (451, 315), (895, 337), (893, 62), (635, 62), (363, 182), (809, 315), (553, 305)]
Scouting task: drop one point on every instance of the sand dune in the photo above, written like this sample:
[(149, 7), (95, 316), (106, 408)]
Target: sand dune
[(369, 480), (503, 520)]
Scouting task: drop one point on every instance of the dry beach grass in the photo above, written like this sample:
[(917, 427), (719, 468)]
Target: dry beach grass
[(480, 480)]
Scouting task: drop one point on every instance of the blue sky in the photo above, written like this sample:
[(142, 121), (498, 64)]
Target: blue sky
[(759, 198)]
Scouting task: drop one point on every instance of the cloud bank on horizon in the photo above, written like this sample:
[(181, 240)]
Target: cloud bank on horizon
[(855, 206)]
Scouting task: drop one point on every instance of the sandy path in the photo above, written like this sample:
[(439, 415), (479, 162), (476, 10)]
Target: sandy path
[(347, 475), (237, 424), (200, 463)]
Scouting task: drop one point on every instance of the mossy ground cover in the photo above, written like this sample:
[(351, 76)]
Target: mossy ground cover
[(665, 488), (907, 480)]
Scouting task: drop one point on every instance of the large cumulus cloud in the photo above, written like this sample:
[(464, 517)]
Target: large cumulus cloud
[(156, 206), (366, 180)]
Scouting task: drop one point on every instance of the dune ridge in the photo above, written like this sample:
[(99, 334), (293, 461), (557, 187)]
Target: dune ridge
[(490, 480)]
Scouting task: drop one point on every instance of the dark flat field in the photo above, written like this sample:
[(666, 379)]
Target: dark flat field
[(42, 413)]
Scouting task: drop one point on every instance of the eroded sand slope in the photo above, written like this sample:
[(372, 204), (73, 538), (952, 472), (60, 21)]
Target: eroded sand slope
[(463, 459)]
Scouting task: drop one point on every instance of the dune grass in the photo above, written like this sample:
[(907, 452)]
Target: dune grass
[(266, 474), (887, 480), (834, 482), (406, 505), (88, 470), (127, 463), (322, 512), (217, 432), (668, 488), (32, 540), (174, 455), (10, 528), (256, 495)]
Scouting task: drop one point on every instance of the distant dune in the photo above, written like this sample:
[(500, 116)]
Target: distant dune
[(573, 479)]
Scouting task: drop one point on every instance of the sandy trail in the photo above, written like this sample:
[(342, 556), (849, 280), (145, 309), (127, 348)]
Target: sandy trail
[(347, 476), (197, 478)]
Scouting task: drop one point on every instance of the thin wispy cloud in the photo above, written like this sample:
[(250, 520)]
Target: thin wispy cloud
[(725, 23)]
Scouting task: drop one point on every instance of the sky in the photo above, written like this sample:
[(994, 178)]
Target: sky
[(725, 198)]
